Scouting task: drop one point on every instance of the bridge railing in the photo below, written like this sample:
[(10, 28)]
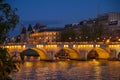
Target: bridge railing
[(64, 44), (24, 43)]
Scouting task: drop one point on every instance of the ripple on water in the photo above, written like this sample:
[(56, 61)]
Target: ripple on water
[(71, 70)]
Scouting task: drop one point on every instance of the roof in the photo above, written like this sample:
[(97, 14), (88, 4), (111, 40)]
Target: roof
[(30, 28), (50, 30)]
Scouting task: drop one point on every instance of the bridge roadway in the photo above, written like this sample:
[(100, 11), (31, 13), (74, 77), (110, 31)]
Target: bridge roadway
[(78, 51)]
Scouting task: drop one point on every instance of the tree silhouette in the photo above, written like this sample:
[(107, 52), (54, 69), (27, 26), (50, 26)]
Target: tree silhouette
[(68, 35), (8, 21)]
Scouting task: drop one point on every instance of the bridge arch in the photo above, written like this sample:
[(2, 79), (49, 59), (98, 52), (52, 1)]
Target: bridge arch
[(119, 56), (73, 54), (98, 53), (35, 52)]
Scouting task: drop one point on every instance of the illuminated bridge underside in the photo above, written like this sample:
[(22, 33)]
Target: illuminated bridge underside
[(35, 52), (118, 54), (72, 53), (102, 54), (42, 54)]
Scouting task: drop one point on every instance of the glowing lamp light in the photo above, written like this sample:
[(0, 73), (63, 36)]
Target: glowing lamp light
[(23, 46), (41, 46), (65, 46), (37, 46), (119, 39), (108, 40), (73, 46)]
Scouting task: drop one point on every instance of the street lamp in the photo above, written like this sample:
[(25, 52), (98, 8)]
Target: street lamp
[(98, 39), (76, 39), (79, 38), (70, 39), (86, 38), (108, 40), (119, 39)]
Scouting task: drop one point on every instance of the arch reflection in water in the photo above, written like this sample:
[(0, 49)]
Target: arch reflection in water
[(96, 69), (31, 58)]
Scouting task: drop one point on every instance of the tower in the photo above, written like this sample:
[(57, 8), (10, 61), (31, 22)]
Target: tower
[(98, 15), (29, 30), (98, 9), (23, 33)]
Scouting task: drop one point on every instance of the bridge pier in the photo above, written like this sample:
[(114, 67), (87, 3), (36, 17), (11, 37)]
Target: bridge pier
[(83, 54), (51, 55)]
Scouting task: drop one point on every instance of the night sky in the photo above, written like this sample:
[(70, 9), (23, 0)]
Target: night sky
[(57, 13)]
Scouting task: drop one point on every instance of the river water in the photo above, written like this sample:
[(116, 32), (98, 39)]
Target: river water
[(69, 70)]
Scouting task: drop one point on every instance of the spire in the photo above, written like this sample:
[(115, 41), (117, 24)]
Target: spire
[(30, 28), (98, 11), (22, 29)]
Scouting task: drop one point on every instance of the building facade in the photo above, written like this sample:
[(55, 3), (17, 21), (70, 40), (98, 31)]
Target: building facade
[(45, 36), (110, 23), (39, 34)]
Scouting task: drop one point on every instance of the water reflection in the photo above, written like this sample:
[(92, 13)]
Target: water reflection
[(96, 70), (31, 58), (69, 70)]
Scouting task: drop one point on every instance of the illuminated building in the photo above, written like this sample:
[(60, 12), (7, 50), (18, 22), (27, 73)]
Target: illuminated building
[(111, 18), (45, 36), (110, 23), (39, 34)]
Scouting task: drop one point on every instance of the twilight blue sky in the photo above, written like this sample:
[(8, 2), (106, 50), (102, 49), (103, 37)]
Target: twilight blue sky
[(57, 13)]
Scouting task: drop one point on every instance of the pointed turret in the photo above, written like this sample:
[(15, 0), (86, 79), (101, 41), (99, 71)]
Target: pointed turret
[(30, 28), (23, 33)]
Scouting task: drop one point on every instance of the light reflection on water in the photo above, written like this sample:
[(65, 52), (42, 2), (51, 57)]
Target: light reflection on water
[(69, 70)]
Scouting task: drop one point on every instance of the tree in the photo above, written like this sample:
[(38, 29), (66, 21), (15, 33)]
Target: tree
[(8, 21), (68, 34), (6, 64), (85, 33), (98, 32), (91, 33)]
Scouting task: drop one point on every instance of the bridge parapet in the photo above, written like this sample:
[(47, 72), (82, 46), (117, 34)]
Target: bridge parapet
[(60, 46), (53, 46), (12, 48)]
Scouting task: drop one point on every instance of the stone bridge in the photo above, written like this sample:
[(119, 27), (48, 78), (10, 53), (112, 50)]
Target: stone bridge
[(75, 51)]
